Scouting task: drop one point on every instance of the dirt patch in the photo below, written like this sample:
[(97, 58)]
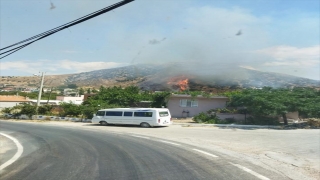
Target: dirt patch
[(183, 120)]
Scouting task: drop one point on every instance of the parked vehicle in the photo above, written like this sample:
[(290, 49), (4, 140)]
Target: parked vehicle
[(8, 115), (23, 116), (145, 117)]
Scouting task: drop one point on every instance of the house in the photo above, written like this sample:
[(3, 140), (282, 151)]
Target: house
[(187, 106), (86, 96), (68, 91), (51, 102), (75, 100), (8, 101), (7, 89), (182, 106)]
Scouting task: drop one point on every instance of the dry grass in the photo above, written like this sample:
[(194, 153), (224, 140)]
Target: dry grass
[(182, 120), (313, 122)]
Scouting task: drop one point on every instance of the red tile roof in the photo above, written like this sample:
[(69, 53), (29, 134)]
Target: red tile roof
[(4, 98)]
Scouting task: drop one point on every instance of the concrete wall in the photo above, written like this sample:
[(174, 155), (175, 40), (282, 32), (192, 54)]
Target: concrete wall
[(293, 115), (204, 104), (8, 104), (239, 117), (74, 100)]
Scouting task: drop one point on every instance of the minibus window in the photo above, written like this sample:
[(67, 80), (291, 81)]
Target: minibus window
[(100, 113), (114, 113), (127, 114), (163, 113), (143, 114)]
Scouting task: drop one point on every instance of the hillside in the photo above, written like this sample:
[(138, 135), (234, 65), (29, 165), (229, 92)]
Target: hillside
[(169, 77), (33, 81)]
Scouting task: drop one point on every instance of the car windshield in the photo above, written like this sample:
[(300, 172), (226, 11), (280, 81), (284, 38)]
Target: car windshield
[(160, 89)]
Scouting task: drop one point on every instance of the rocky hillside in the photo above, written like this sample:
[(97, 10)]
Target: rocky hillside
[(170, 77), (179, 77)]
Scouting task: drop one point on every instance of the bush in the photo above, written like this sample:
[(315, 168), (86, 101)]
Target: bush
[(229, 120), (222, 110), (260, 120), (205, 118), (313, 122)]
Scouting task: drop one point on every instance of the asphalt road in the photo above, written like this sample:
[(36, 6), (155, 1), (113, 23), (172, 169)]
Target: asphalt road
[(53, 152)]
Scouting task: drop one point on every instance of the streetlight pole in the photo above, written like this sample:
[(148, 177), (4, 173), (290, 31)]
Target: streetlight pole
[(40, 91)]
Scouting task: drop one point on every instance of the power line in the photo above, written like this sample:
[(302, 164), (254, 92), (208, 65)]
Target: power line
[(62, 27)]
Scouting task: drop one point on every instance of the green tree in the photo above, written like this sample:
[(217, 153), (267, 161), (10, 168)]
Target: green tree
[(25, 108), (160, 99), (94, 90), (70, 109), (277, 102), (45, 109), (32, 95), (81, 91), (72, 86), (6, 110)]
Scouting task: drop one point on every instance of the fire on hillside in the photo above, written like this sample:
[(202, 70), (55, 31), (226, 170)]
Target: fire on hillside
[(179, 82)]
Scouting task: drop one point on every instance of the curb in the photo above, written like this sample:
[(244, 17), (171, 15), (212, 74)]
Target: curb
[(228, 126)]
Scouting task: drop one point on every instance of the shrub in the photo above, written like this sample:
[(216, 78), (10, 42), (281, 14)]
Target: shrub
[(222, 110), (205, 118), (260, 120), (313, 122), (229, 120)]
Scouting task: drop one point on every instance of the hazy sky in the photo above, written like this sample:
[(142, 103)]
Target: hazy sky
[(267, 35)]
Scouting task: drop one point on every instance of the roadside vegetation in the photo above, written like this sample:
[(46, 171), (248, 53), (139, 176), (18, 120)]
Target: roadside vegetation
[(104, 98), (263, 106), (32, 95), (266, 105), (277, 102)]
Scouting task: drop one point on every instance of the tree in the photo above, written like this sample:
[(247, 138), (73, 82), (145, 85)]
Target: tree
[(278, 102), (94, 90), (81, 91), (70, 109), (45, 109), (117, 96), (25, 108), (6, 110), (308, 102), (160, 99), (72, 86)]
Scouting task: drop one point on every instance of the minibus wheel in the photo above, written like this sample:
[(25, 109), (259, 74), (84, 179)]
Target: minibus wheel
[(103, 123), (145, 125)]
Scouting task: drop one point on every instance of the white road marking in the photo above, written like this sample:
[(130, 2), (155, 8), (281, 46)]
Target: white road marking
[(115, 133), (16, 156), (206, 153), (170, 142), (140, 136), (250, 171)]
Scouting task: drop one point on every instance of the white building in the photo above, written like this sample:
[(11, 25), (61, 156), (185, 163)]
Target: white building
[(7, 101), (52, 102), (75, 100)]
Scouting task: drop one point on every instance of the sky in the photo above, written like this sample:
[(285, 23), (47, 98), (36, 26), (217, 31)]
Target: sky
[(267, 35)]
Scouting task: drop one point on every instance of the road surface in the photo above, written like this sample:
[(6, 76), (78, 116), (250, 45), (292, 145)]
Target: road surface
[(53, 152)]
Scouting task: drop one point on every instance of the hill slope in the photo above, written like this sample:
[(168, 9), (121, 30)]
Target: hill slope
[(170, 77)]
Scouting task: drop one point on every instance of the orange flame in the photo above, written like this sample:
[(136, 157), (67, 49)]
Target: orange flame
[(181, 82)]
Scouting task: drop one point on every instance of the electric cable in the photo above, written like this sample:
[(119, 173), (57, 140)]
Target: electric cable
[(44, 33), (59, 28)]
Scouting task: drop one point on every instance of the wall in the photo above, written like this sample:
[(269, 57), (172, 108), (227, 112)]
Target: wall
[(74, 100), (204, 104), (8, 104), (12, 100), (293, 115), (238, 117)]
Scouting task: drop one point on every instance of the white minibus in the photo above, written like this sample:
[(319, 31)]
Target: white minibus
[(145, 117)]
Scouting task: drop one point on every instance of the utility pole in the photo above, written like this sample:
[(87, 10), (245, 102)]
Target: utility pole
[(40, 91)]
